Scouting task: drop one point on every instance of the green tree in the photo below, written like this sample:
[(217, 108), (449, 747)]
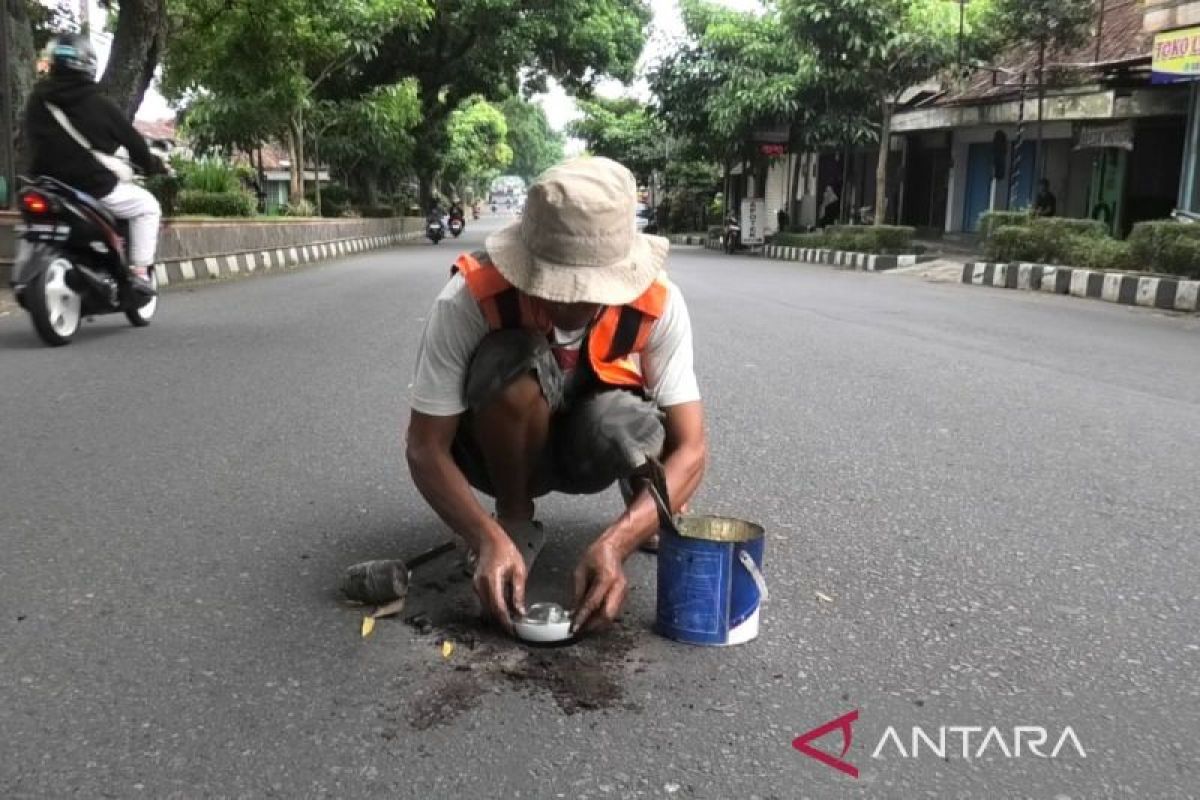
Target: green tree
[(476, 146), (624, 130), (264, 61), (491, 47), (739, 71), (367, 141), (535, 145), (881, 47)]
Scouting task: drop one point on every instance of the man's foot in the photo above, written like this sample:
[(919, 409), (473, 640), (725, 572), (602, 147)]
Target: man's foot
[(139, 281), (528, 535)]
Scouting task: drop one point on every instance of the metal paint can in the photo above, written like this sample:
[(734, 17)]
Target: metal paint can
[(710, 581)]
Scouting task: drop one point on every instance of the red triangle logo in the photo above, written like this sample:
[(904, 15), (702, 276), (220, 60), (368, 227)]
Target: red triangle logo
[(844, 723)]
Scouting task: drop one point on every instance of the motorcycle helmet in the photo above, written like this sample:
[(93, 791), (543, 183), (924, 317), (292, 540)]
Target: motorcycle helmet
[(71, 53)]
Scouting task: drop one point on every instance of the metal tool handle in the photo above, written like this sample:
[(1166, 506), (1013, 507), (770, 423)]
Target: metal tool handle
[(755, 574), (656, 484)]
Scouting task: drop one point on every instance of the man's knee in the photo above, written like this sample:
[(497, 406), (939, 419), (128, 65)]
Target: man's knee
[(609, 437), (518, 399), (515, 368), (151, 207)]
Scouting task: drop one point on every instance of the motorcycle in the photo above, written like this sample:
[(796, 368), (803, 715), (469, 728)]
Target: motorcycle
[(456, 226), (72, 262), (732, 238), (435, 231)]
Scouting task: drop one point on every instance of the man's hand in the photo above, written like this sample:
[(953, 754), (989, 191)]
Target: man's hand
[(600, 586), (499, 575)]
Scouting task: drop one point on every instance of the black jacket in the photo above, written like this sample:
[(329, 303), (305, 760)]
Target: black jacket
[(55, 153)]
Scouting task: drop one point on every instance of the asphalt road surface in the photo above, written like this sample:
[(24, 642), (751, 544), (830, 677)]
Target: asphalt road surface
[(981, 509)]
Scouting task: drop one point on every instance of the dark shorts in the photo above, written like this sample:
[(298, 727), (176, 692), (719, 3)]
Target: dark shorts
[(597, 435)]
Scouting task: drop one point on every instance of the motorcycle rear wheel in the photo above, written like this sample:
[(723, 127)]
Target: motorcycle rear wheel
[(140, 317), (55, 308)]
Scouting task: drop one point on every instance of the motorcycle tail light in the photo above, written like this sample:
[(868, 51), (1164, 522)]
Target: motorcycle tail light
[(35, 203)]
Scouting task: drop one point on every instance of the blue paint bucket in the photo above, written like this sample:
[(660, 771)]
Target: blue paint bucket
[(710, 582)]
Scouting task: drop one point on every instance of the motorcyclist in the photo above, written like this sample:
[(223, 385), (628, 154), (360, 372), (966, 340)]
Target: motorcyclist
[(436, 214), (456, 209), (79, 157)]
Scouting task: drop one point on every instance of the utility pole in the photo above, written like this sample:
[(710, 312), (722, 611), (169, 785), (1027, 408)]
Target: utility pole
[(1014, 174), (962, 33), (1041, 99), (6, 112)]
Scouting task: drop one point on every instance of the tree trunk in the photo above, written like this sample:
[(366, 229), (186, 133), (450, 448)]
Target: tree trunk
[(727, 184), (793, 207), (296, 154), (1040, 158), (21, 58), (881, 168), (317, 166), (136, 47)]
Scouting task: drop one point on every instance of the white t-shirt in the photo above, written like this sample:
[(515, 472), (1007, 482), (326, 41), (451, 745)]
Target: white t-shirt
[(456, 326)]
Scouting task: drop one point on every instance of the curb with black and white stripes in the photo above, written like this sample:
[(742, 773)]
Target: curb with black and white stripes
[(223, 266), (690, 240), (863, 262), (1175, 294)]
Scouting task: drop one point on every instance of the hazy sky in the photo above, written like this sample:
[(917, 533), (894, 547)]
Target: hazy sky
[(666, 27), (560, 108)]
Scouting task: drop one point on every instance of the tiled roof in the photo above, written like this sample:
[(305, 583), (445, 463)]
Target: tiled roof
[(156, 129), (1123, 43)]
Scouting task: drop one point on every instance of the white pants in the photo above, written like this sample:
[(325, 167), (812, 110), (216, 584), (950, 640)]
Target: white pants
[(132, 202)]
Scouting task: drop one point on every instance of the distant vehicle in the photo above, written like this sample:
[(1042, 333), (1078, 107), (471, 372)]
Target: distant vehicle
[(731, 238), (456, 226), (435, 231), (73, 263), (644, 217)]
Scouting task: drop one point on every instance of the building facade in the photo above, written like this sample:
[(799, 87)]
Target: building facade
[(1110, 141), (1176, 60)]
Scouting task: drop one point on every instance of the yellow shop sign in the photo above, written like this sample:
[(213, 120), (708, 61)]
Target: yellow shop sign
[(1177, 56)]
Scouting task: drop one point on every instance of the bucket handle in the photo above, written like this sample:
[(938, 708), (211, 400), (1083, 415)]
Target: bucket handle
[(755, 573)]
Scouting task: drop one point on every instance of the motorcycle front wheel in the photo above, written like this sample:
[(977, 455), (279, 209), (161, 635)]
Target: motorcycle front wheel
[(140, 317), (55, 308)]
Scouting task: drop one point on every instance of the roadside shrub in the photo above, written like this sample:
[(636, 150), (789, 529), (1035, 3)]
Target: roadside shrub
[(216, 204), (1181, 257), (1014, 243), (1092, 253), (165, 189), (210, 175), (1068, 226), (991, 221), (1164, 246), (881, 239), (301, 208), (816, 240), (893, 238), (335, 199), (377, 212)]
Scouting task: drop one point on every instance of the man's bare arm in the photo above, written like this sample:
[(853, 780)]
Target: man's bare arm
[(600, 582), (441, 482), (684, 457), (501, 571)]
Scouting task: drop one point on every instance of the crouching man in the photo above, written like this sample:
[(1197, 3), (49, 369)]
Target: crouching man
[(559, 360)]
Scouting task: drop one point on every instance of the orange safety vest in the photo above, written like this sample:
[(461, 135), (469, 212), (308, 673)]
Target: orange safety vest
[(618, 334)]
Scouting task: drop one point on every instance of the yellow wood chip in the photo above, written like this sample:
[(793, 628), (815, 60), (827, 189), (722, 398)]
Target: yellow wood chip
[(447, 648), (368, 625)]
